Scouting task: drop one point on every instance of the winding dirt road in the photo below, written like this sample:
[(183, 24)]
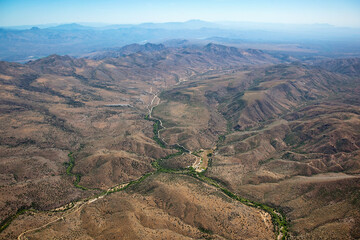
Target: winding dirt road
[(75, 208)]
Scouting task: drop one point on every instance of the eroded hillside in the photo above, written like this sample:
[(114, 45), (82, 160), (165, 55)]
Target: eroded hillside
[(287, 135), (280, 135)]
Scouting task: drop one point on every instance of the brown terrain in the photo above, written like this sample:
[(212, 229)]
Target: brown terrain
[(164, 206), (286, 135), (292, 140)]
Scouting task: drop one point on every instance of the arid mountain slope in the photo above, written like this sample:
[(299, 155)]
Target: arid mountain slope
[(71, 128), (349, 66), (288, 135), (164, 206)]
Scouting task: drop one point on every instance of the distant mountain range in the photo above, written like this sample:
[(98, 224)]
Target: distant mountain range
[(26, 43)]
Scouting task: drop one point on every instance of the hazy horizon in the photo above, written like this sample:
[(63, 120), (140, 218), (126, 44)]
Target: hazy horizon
[(344, 13), (219, 23)]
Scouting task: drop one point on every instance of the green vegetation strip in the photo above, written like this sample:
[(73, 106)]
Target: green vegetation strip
[(69, 167), (156, 128), (7, 221), (280, 223), (278, 219)]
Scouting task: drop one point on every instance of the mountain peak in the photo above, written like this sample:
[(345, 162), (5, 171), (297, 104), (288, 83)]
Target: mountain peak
[(70, 26), (53, 64), (54, 57), (130, 49), (213, 47)]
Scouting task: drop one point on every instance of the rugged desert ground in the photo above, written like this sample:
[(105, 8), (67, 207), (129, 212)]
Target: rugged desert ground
[(209, 142)]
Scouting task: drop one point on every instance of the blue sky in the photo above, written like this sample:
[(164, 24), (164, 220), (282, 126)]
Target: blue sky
[(31, 12)]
